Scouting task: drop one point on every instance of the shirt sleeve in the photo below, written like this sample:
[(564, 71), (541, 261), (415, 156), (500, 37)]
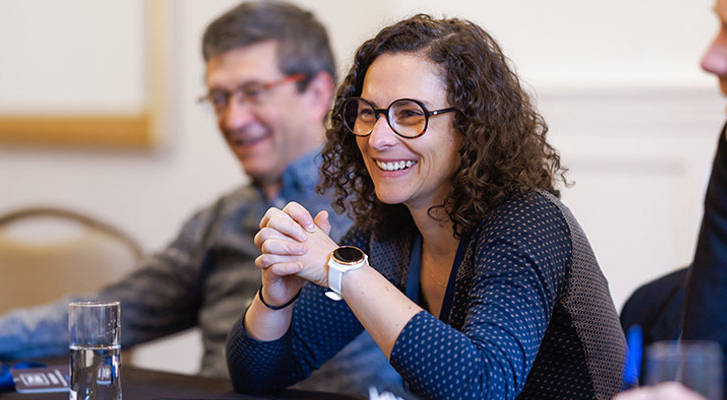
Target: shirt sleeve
[(706, 294), (164, 295), (35, 332), (319, 329), (157, 299), (519, 270)]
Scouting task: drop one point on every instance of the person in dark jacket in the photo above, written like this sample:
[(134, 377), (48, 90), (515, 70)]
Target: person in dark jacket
[(702, 314)]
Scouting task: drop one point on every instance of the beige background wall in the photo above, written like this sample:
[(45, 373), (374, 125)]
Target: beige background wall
[(618, 82)]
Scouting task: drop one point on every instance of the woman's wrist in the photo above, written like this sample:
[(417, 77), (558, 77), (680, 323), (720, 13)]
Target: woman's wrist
[(264, 324), (274, 306), (355, 279)]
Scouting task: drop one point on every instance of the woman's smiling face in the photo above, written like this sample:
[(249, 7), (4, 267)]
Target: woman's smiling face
[(416, 171)]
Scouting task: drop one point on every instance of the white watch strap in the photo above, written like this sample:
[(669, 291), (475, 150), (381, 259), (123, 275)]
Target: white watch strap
[(335, 277)]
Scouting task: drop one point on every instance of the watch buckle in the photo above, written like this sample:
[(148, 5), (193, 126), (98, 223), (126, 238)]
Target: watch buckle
[(333, 295)]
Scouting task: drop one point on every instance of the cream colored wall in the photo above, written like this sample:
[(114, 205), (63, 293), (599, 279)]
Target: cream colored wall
[(54, 55), (618, 81)]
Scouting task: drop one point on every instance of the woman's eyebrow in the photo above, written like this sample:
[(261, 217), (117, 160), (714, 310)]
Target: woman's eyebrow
[(370, 101)]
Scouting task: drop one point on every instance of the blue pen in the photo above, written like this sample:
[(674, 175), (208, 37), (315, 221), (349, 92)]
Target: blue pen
[(6, 380), (634, 351)]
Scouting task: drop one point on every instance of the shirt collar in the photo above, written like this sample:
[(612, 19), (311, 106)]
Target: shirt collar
[(300, 175)]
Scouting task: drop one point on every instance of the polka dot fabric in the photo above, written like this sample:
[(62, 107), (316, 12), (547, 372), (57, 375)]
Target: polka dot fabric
[(531, 318)]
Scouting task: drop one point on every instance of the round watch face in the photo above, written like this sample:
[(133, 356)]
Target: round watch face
[(348, 255)]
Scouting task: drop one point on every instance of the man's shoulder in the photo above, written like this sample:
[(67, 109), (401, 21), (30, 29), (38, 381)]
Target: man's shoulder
[(233, 202), (241, 196), (652, 298)]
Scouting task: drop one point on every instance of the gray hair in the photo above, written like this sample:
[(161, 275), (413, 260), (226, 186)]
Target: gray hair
[(303, 46)]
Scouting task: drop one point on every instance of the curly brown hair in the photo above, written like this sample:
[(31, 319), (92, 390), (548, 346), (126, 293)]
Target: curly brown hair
[(504, 152)]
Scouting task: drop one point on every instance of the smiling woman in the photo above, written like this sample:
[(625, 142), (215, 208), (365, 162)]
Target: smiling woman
[(504, 151), (463, 265), (416, 171)]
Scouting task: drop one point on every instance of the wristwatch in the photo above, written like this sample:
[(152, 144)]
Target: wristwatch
[(342, 260)]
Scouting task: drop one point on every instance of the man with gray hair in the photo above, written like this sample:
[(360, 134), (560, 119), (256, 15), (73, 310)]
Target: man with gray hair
[(270, 76)]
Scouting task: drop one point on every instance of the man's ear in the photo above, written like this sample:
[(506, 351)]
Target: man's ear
[(318, 94)]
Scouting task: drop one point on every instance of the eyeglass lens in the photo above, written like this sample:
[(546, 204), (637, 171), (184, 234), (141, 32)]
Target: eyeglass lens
[(249, 93), (406, 117)]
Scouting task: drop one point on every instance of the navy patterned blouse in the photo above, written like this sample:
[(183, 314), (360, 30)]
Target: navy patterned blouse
[(531, 317)]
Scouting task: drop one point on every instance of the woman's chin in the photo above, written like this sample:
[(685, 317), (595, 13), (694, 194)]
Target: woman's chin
[(390, 198)]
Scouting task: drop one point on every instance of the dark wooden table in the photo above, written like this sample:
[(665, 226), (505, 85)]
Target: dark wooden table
[(143, 384)]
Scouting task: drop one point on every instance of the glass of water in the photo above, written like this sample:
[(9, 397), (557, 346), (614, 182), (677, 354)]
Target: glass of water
[(95, 350), (695, 364)]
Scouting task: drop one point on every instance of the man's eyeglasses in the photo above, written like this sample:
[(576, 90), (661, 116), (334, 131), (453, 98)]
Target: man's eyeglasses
[(408, 118), (250, 92)]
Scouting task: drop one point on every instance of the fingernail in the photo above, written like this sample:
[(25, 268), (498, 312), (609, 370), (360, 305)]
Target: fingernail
[(311, 228)]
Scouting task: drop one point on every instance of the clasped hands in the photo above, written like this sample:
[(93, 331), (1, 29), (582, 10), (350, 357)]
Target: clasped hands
[(295, 248)]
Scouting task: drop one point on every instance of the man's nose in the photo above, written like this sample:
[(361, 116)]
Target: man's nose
[(237, 113), (715, 59)]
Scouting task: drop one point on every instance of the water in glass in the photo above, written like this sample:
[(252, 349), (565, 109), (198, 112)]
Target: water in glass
[(95, 374)]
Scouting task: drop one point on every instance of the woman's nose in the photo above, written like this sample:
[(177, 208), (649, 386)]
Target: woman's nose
[(382, 135)]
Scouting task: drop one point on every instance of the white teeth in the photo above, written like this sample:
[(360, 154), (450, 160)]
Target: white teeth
[(395, 166)]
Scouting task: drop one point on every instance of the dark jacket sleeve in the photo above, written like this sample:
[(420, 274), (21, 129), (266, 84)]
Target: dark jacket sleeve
[(163, 296), (159, 298), (705, 315), (657, 307), (319, 329)]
